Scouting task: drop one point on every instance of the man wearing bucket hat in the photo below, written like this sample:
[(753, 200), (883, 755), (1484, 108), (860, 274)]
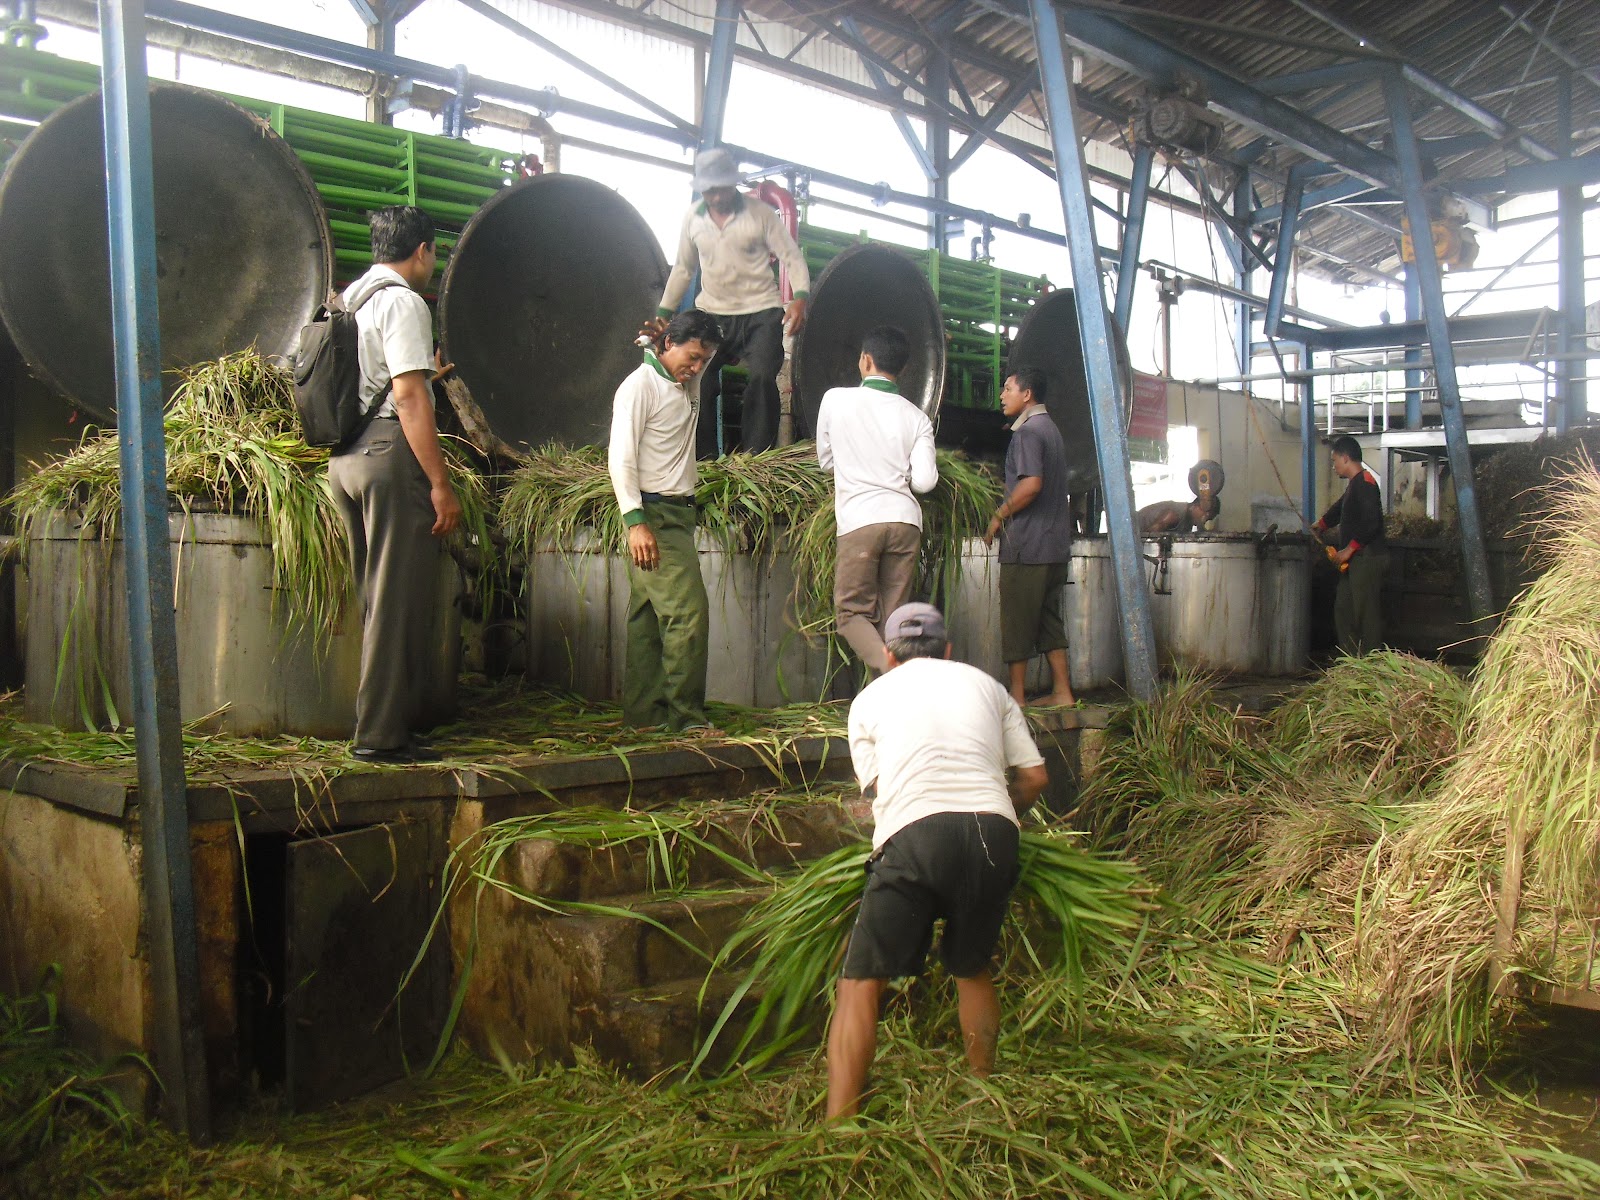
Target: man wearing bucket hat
[(731, 240), (931, 742)]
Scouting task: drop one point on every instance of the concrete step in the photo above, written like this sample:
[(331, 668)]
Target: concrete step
[(610, 954), (779, 835), (655, 1029)]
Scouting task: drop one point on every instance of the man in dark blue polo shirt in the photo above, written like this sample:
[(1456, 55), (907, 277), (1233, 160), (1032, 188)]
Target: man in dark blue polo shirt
[(1354, 524), (1035, 527)]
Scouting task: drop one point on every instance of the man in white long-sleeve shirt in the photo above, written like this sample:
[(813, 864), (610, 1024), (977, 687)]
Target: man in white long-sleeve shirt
[(879, 447), (731, 240), (652, 464)]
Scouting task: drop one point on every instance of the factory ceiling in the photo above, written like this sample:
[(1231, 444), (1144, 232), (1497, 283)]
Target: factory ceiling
[(1232, 92)]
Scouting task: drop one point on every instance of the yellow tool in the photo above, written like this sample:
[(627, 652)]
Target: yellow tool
[(1333, 557)]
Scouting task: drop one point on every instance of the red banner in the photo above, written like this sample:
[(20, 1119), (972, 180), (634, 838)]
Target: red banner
[(1149, 419)]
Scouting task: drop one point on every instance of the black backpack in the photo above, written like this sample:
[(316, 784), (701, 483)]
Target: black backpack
[(327, 375)]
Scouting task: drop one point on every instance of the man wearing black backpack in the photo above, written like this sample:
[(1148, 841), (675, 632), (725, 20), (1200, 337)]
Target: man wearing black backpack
[(392, 486)]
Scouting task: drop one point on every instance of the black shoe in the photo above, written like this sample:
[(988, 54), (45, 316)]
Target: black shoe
[(411, 752)]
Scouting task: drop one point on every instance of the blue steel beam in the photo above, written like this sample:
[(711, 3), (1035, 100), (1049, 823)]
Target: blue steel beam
[(511, 25), (1485, 328), (998, 112), (1133, 232), (939, 75), (1163, 66), (1283, 263), (719, 73), (1308, 441), (1480, 594), (896, 111), (1094, 328), (1318, 77), (1413, 302), (170, 924), (1243, 202), (546, 100), (1573, 408), (1579, 171)]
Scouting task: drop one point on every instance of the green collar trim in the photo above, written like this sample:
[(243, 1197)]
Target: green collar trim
[(650, 357), (879, 384)]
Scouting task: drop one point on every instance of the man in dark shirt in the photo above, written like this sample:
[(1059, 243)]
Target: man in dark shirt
[(1174, 516), (1355, 526), (1035, 527)]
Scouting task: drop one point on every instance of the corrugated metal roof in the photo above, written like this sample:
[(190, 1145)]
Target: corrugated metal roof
[(1506, 57)]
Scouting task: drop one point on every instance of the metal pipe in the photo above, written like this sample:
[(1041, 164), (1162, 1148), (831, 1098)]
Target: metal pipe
[(170, 925), (1094, 326), (1413, 354), (1480, 593), (1573, 408), (1133, 231), (719, 73)]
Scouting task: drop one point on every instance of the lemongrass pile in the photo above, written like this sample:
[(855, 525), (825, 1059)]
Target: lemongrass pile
[(774, 501), (233, 445)]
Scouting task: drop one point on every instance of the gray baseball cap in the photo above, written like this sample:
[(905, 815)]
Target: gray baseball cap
[(915, 620), (715, 168)]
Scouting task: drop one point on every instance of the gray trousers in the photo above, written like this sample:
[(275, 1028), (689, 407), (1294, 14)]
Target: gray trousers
[(383, 497), (876, 571)]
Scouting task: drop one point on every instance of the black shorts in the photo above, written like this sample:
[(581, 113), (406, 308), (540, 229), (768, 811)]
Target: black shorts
[(958, 866)]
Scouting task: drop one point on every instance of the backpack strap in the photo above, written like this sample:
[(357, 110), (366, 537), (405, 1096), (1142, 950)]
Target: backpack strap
[(371, 414)]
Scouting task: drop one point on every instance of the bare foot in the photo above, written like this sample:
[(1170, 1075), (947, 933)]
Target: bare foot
[(1058, 700)]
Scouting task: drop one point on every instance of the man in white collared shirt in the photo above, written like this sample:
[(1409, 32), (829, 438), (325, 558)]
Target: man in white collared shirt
[(652, 464), (879, 447), (392, 487), (731, 240)]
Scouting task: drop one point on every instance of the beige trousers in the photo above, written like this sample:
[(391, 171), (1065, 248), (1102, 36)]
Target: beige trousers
[(876, 571)]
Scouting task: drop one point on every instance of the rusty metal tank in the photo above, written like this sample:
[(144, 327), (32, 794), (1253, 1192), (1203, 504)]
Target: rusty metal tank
[(243, 253), (540, 304), (1048, 340), (863, 287)]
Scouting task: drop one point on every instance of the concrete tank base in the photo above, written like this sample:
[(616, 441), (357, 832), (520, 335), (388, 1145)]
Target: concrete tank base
[(244, 666)]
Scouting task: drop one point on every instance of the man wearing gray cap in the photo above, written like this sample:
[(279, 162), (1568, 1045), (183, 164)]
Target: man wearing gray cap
[(931, 742), (731, 240)]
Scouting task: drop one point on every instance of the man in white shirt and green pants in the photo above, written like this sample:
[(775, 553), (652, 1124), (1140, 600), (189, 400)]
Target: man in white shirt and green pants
[(652, 464), (879, 447)]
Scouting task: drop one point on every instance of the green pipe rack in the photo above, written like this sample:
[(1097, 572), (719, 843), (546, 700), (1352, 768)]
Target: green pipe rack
[(357, 166), (982, 306)]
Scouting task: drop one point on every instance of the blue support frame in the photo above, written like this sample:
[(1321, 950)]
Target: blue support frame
[(152, 633), (1480, 594), (1309, 441), (1413, 295), (1573, 406), (1133, 232), (1094, 327), (1243, 202), (1283, 260), (719, 73)]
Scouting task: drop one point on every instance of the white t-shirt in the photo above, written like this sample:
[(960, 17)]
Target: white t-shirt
[(653, 419), (937, 736), (879, 447), (394, 333)]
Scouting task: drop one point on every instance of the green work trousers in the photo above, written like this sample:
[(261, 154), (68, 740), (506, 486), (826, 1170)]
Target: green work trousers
[(669, 627), (1358, 604)]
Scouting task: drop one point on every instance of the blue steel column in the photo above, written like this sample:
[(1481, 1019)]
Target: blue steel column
[(1413, 293), (1480, 595), (1133, 232), (1573, 406), (1241, 211), (1283, 262), (1308, 440), (719, 73), (153, 643), (1094, 327)]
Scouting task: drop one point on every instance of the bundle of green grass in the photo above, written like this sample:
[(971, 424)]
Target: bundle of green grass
[(774, 501), (234, 446), (1409, 835)]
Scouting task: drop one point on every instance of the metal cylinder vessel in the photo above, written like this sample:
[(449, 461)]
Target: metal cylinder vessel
[(243, 253), (864, 287), (540, 303), (244, 664)]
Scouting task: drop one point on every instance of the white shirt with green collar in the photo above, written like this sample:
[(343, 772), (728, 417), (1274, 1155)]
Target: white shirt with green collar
[(653, 421), (879, 447), (736, 275)]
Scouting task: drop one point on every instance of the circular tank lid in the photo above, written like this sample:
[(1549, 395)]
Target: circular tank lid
[(243, 253), (540, 303), (1048, 340), (863, 287)]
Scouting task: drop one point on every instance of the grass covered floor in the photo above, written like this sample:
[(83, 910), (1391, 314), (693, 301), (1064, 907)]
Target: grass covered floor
[(1199, 1075)]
